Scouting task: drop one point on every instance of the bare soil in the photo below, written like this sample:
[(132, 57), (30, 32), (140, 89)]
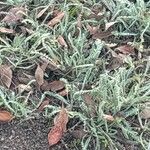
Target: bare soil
[(25, 135)]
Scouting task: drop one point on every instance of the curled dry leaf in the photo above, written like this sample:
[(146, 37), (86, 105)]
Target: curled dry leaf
[(14, 15), (5, 116), (57, 19), (61, 41), (5, 75), (108, 117), (126, 49), (39, 75), (59, 127), (56, 85), (6, 30)]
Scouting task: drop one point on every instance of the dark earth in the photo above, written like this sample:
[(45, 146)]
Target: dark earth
[(25, 135)]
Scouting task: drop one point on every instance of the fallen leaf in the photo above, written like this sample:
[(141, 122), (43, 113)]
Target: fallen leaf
[(5, 75), (43, 104), (126, 49), (61, 41), (39, 75), (101, 34), (57, 19), (24, 87), (62, 119), (6, 30), (108, 117), (42, 12), (56, 85), (5, 116), (14, 15), (109, 24), (55, 135), (59, 127)]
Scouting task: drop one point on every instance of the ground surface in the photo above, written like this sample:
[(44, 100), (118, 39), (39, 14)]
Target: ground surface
[(84, 66), (25, 135)]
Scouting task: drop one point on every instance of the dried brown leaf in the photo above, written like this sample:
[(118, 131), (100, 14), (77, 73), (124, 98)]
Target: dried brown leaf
[(61, 119), (14, 15), (108, 117), (55, 135), (59, 127), (39, 75), (56, 85), (5, 116), (61, 41), (101, 34), (56, 20), (126, 49), (6, 30), (5, 76)]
